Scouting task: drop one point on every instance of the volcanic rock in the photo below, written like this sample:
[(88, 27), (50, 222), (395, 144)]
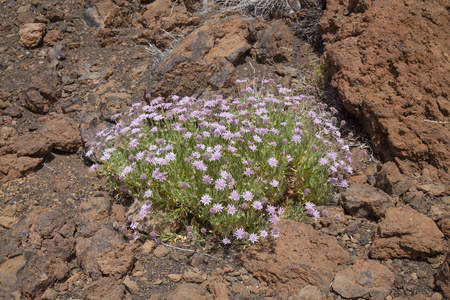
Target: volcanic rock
[(300, 256), (364, 200), (442, 279), (389, 65), (406, 233), (31, 34), (363, 280), (203, 59)]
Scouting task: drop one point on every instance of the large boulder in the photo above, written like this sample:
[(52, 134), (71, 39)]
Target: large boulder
[(389, 63), (406, 233), (204, 59), (300, 256)]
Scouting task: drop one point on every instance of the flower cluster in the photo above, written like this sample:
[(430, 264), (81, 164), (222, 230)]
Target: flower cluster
[(225, 164)]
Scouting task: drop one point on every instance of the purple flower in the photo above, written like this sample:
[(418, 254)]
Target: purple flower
[(296, 139), (306, 192), (234, 196), (93, 167), (253, 147), (206, 199), (273, 162), (257, 138), (200, 165), (217, 207), (309, 205), (275, 232), (134, 225), (148, 193), (231, 209), (189, 228), (226, 241), (344, 183), (274, 183), (240, 233), (215, 156), (221, 184), (203, 230), (126, 170), (257, 205), (253, 238), (274, 219), (244, 206), (207, 179), (248, 171), (314, 147), (145, 209), (332, 155), (248, 196), (161, 176), (323, 161), (153, 235), (184, 185), (263, 233), (133, 143), (170, 156)]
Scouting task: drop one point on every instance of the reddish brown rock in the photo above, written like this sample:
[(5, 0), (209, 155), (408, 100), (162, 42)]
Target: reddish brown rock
[(13, 166), (62, 132), (442, 279), (189, 291), (31, 34), (389, 65), (203, 59), (52, 37), (104, 288), (406, 233), (444, 225), (365, 279), (363, 200), (100, 249), (301, 256), (219, 290)]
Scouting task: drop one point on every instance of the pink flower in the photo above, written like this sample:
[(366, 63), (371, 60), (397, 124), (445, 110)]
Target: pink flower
[(231, 209), (274, 183), (206, 199), (273, 162), (200, 165), (207, 179), (217, 207), (226, 241), (133, 143), (248, 196), (253, 238), (221, 184), (234, 196), (240, 233), (257, 205)]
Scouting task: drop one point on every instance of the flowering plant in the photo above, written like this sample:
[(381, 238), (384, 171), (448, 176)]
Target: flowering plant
[(226, 164)]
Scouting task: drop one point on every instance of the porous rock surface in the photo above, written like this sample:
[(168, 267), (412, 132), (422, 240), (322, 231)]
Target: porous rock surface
[(389, 63)]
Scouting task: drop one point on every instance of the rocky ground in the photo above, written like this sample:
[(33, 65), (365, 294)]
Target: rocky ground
[(67, 67)]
